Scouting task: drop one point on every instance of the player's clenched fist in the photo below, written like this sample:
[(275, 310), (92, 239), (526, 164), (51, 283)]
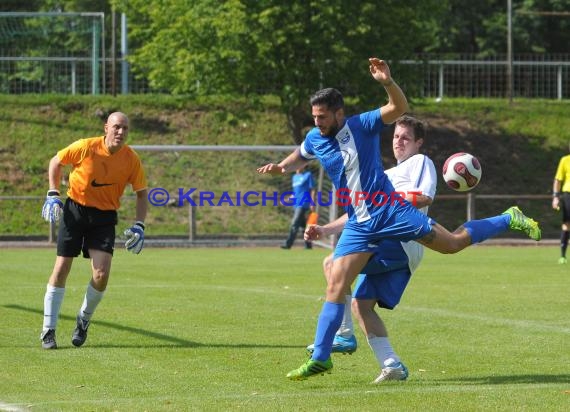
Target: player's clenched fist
[(314, 232)]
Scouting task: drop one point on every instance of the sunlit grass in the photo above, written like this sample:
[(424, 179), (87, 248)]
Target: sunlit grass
[(218, 329)]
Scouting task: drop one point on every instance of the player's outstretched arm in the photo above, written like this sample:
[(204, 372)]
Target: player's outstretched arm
[(397, 103), (291, 163), (271, 169)]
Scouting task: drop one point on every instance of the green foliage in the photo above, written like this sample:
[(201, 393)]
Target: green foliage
[(278, 47), (19, 5), (198, 47), (218, 329), (541, 33), (290, 48), (480, 27)]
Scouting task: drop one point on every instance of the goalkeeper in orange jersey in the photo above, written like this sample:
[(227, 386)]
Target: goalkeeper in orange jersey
[(101, 169)]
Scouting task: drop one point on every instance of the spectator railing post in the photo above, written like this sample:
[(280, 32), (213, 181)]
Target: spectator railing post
[(51, 235), (192, 219), (332, 216), (470, 206)]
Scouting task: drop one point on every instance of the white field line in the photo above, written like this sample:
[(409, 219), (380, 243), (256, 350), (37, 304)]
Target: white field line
[(520, 323), (7, 407)]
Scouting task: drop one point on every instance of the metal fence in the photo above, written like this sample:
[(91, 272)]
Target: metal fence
[(533, 76), (34, 58), (449, 210), (435, 78)]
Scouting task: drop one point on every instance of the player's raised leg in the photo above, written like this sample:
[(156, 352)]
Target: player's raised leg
[(523, 223), (476, 231)]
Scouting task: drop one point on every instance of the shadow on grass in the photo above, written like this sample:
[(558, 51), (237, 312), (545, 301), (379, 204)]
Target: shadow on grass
[(510, 379), (173, 341)]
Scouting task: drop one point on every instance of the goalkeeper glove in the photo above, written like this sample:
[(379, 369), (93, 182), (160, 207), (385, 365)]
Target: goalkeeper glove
[(53, 206), (135, 238)]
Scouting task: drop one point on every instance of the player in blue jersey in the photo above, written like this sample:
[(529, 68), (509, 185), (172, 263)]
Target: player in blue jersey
[(303, 200), (349, 150), (386, 275)]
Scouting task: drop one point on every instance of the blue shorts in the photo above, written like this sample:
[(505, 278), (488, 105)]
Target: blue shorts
[(401, 223), (385, 276)]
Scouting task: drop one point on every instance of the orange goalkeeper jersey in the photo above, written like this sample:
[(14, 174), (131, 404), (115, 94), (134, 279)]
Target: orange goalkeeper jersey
[(99, 178)]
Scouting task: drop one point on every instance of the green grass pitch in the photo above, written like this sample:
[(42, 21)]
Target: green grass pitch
[(218, 329)]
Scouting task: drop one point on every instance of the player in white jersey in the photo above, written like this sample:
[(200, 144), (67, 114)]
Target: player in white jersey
[(348, 148), (388, 272)]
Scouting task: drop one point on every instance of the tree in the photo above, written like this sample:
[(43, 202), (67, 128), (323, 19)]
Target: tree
[(480, 27), (19, 5), (288, 48), (195, 48), (539, 29)]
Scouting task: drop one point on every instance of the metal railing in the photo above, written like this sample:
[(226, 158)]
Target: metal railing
[(488, 78), (470, 200), (436, 78)]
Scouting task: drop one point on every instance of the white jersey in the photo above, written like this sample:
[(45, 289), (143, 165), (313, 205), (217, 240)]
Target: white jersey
[(415, 174)]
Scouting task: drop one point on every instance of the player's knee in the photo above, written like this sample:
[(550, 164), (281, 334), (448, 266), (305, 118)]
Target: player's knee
[(362, 308), (336, 290), (327, 263), (100, 283), (100, 276), (355, 308)]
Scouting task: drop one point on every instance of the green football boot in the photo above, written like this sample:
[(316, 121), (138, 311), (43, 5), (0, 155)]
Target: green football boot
[(310, 368), (523, 223)]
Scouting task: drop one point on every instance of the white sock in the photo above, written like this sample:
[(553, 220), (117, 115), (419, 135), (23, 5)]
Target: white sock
[(52, 303), (346, 327), (90, 302), (383, 350)]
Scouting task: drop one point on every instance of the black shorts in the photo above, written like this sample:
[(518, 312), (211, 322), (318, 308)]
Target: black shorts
[(565, 206), (83, 228)]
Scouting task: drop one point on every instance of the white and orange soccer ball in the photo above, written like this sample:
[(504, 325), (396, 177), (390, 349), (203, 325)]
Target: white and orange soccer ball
[(462, 172)]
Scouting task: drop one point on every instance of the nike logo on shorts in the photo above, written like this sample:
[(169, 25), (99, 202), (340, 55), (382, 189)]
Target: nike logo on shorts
[(95, 184), (418, 230)]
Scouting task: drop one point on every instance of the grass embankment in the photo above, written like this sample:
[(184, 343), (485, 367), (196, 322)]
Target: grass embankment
[(519, 146)]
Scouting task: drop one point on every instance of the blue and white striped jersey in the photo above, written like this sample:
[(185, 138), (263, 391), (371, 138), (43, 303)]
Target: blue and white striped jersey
[(352, 161)]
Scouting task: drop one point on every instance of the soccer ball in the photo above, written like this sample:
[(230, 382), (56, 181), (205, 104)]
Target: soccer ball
[(462, 172)]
